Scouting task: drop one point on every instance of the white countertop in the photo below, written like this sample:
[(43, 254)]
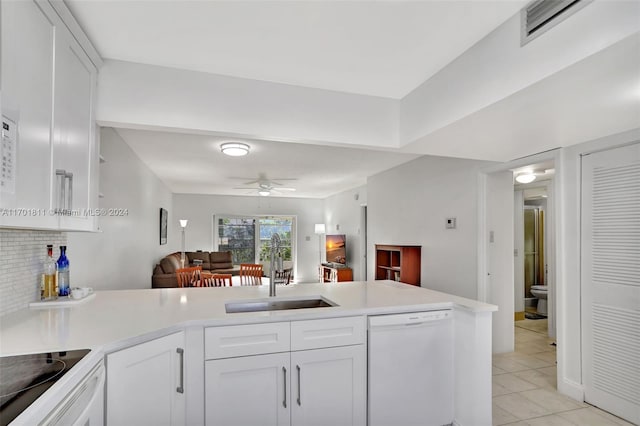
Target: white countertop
[(119, 318)]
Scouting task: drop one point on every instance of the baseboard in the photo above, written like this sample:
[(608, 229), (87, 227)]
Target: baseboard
[(518, 316), (571, 389)]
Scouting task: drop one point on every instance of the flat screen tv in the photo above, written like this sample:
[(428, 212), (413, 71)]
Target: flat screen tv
[(336, 249)]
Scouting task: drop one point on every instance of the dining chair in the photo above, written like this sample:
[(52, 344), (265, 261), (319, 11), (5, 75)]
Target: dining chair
[(284, 277), (250, 274), (189, 277), (216, 280)]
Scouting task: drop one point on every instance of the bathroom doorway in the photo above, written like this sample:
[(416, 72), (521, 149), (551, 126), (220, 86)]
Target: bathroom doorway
[(534, 260), (534, 252)]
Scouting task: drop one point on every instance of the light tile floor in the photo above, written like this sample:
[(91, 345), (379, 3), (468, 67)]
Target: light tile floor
[(524, 386)]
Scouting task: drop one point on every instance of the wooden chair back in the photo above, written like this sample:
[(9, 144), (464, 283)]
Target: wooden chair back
[(189, 277), (216, 280), (284, 277), (250, 274)]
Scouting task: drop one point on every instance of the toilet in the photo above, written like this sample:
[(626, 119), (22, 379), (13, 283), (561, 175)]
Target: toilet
[(540, 291)]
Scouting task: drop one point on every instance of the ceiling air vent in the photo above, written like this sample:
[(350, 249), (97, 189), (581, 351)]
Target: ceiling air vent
[(541, 15)]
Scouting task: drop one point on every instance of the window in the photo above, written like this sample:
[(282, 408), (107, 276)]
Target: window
[(275, 225), (238, 235)]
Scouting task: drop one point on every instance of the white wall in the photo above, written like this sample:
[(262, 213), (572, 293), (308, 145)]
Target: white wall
[(497, 66), (138, 95), (409, 204), (343, 211), (124, 253), (498, 239), (568, 286), (200, 209)]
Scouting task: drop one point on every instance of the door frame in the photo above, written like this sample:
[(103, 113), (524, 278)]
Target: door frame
[(483, 229)]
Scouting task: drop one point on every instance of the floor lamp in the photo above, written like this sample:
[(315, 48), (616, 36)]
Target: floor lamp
[(320, 230), (183, 225)]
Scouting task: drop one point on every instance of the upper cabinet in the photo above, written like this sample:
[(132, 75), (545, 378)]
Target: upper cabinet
[(49, 150)]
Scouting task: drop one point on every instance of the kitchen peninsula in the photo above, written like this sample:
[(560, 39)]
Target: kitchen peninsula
[(116, 325)]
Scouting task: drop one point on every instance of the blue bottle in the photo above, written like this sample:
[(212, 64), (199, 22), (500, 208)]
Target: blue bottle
[(63, 272)]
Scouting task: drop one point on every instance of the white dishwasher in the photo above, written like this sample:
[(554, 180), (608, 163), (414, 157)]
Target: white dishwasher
[(411, 369)]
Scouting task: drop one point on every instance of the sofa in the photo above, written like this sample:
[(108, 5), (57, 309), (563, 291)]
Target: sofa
[(164, 274)]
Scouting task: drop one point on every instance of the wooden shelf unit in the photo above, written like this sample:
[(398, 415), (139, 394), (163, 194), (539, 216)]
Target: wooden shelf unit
[(398, 263), (334, 275)]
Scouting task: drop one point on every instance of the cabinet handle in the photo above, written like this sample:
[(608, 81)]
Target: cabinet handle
[(180, 389), (60, 180), (298, 368), (284, 373), (69, 176)]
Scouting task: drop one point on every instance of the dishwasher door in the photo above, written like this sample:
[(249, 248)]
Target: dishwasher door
[(411, 369)]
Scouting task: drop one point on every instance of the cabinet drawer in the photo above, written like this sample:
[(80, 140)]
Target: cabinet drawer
[(326, 333), (241, 340)]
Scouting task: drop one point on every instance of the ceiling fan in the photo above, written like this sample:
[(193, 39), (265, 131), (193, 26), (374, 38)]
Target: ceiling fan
[(265, 186)]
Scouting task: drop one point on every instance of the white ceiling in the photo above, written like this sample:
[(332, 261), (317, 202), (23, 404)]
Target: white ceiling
[(381, 48), (193, 164)]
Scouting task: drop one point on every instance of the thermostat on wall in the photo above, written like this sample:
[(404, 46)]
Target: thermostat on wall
[(451, 223)]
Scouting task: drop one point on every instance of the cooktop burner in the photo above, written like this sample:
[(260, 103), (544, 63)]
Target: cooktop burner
[(23, 378)]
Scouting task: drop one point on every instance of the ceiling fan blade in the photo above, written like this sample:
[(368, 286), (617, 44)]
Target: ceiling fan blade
[(275, 181)]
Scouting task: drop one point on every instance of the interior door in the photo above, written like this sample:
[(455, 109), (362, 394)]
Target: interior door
[(610, 285)]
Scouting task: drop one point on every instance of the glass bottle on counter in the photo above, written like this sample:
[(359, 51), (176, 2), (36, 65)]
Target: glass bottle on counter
[(63, 272), (49, 290)]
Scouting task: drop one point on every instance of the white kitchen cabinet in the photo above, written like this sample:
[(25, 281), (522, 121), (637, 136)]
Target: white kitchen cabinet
[(325, 385), (145, 383), (329, 386), (250, 390), (27, 52), (74, 148), (48, 89)]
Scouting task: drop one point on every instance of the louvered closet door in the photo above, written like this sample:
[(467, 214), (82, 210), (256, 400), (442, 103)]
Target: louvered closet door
[(611, 280)]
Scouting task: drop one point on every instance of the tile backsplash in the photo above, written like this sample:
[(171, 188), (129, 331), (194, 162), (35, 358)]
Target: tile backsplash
[(22, 254)]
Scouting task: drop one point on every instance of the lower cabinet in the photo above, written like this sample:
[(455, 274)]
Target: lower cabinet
[(312, 386), (329, 386), (250, 390), (145, 383), (315, 387)]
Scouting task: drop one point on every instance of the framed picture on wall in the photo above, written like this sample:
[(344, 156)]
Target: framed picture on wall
[(163, 226)]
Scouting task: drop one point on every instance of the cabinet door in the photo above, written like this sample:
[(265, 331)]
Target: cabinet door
[(74, 148), (143, 383), (328, 386), (27, 36), (251, 390)]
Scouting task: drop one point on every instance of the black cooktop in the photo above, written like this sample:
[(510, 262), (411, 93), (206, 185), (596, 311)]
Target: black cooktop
[(23, 378)]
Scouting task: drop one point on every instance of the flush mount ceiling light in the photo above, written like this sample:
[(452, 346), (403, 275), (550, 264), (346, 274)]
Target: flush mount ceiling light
[(526, 177), (264, 192), (234, 149)]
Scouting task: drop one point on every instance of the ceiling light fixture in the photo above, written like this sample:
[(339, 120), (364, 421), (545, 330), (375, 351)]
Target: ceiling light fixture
[(264, 192), (526, 177), (234, 149)]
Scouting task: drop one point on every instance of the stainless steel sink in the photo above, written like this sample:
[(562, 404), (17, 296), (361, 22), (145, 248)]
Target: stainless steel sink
[(277, 305)]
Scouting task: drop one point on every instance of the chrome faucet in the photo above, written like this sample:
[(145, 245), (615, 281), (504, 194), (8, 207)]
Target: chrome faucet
[(274, 263)]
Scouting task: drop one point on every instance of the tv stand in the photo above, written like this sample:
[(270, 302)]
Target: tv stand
[(334, 274)]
